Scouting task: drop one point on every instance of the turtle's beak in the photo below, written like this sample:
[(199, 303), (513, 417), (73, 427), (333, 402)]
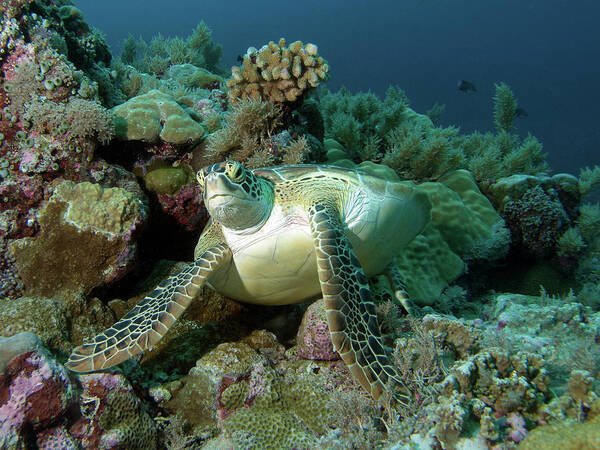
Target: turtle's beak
[(218, 184)]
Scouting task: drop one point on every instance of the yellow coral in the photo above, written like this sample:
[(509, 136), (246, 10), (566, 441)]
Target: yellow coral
[(277, 73)]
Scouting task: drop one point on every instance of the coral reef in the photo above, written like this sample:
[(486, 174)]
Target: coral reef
[(390, 132), (257, 404), (79, 133), (45, 317), (563, 335), (464, 228), (111, 415), (361, 121), (40, 405), (536, 221), (277, 73)]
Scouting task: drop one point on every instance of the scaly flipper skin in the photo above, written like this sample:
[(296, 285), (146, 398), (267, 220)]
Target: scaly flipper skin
[(149, 320), (393, 274), (350, 310)]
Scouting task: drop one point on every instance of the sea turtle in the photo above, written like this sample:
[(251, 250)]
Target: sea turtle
[(285, 235)]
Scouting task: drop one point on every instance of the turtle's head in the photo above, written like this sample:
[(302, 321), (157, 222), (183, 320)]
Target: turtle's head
[(234, 196)]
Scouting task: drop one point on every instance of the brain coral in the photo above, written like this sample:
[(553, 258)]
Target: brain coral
[(277, 73)]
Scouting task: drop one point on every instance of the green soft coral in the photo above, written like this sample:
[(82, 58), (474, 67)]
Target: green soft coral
[(391, 132), (354, 119), (197, 49), (505, 108)]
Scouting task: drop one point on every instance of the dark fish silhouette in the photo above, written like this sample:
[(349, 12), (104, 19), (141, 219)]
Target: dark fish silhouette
[(466, 86), (520, 112), (239, 58)]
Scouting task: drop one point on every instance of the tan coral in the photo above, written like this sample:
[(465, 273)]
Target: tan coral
[(277, 73)]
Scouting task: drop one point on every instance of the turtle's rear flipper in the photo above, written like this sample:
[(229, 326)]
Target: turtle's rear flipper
[(393, 274), (149, 320), (351, 313)]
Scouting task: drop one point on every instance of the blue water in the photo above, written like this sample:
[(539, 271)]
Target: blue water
[(546, 50)]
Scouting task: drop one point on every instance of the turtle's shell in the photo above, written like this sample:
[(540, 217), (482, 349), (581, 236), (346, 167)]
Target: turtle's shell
[(277, 265)]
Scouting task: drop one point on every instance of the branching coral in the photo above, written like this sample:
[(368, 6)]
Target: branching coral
[(277, 73)]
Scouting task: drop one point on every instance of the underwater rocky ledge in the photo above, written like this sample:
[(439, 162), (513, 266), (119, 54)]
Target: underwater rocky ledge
[(99, 203)]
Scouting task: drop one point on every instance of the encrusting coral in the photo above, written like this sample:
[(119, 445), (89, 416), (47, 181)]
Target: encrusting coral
[(277, 73), (87, 239)]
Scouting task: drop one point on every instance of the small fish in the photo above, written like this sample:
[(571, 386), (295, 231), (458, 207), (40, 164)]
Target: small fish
[(466, 86), (240, 59), (520, 112)]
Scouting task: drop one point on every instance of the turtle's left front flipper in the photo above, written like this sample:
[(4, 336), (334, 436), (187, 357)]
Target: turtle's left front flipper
[(149, 320), (350, 309)]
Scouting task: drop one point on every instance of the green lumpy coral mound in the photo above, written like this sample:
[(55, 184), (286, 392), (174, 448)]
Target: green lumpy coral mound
[(167, 180), (153, 116)]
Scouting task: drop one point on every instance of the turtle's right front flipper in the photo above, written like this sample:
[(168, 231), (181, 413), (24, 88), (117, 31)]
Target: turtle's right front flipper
[(149, 320)]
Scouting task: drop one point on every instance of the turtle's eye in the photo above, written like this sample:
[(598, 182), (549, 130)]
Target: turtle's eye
[(234, 170), (200, 178)]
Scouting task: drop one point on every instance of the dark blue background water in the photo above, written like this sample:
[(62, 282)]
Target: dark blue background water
[(546, 50)]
